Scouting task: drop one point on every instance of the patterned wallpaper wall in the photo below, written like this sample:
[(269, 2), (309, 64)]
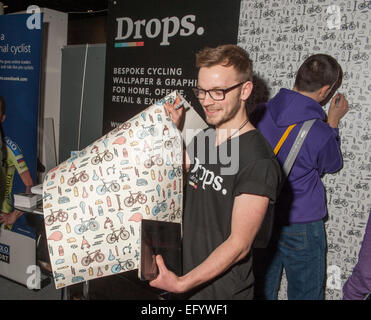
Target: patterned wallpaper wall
[(279, 35)]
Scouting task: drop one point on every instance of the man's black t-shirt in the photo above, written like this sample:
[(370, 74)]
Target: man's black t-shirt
[(212, 185)]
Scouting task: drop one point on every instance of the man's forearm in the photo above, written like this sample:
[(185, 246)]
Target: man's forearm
[(220, 260), (248, 214), (333, 123), (27, 180)]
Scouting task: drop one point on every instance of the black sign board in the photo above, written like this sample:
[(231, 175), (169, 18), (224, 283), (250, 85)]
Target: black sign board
[(151, 47)]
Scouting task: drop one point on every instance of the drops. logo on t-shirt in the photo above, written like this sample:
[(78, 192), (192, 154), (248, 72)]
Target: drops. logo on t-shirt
[(207, 177)]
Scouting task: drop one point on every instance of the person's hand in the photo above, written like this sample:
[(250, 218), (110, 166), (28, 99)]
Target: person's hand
[(166, 280), (175, 115), (337, 110), (8, 218)]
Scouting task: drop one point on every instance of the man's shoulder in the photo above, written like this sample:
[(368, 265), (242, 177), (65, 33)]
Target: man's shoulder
[(321, 132), (254, 146), (13, 146), (322, 126), (257, 114), (204, 134), (11, 143)]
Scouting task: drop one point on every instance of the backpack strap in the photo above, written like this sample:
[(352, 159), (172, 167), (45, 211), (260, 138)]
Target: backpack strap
[(297, 145), (263, 236), (283, 138)]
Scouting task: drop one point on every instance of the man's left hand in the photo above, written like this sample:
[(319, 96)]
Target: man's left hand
[(166, 280), (8, 218)]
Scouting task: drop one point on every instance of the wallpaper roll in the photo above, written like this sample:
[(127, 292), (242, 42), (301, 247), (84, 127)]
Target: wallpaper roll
[(94, 201)]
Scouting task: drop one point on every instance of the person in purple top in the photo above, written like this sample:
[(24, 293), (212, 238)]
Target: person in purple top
[(358, 285), (298, 242)]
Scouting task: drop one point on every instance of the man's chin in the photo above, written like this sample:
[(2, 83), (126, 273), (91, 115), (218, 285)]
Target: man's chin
[(211, 122)]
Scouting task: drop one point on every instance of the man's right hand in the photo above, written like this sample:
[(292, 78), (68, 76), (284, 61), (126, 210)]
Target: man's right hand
[(337, 110), (175, 115)]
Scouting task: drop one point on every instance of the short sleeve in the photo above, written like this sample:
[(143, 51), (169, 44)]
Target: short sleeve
[(15, 157), (261, 177)]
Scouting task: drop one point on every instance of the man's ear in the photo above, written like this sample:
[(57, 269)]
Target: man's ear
[(3, 118), (324, 92), (246, 90)]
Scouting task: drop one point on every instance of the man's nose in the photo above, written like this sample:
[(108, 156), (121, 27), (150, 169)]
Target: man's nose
[(208, 100)]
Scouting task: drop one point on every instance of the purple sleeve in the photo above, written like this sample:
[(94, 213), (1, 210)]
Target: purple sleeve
[(330, 159), (359, 283)]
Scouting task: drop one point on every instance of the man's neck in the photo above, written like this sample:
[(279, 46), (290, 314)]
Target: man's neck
[(233, 127), (312, 95)]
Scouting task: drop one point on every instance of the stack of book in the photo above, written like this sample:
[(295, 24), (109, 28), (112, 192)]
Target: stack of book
[(38, 189), (26, 200)]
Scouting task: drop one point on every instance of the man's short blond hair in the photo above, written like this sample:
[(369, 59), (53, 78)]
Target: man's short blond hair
[(227, 55)]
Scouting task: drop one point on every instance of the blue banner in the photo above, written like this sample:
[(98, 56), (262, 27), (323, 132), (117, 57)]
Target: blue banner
[(20, 58)]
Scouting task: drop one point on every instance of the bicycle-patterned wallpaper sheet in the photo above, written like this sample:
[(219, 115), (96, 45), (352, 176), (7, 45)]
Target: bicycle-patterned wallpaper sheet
[(94, 201), (279, 35)]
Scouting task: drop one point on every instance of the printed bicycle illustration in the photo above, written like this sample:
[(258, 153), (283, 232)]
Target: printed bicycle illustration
[(175, 172), (265, 57), (175, 214), (111, 186), (122, 265), (51, 218), (156, 159), (173, 141), (91, 257), (314, 9), (117, 234), (297, 28), (81, 176), (349, 155), (346, 46), (269, 13), (338, 201), (86, 225), (366, 137), (358, 214), (336, 247), (146, 131), (364, 5), (254, 49), (124, 126), (363, 186), (360, 56), (135, 197), (106, 156), (329, 36), (162, 206), (356, 233)]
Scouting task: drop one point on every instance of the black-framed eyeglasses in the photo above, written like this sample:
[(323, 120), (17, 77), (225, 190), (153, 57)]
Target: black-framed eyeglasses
[(215, 94)]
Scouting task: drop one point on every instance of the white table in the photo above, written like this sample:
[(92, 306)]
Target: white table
[(65, 294)]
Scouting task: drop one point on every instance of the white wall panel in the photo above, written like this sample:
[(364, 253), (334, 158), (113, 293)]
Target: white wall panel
[(279, 35)]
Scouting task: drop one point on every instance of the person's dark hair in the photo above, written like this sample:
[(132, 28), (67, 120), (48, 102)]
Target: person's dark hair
[(2, 106), (317, 71), (226, 55)]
